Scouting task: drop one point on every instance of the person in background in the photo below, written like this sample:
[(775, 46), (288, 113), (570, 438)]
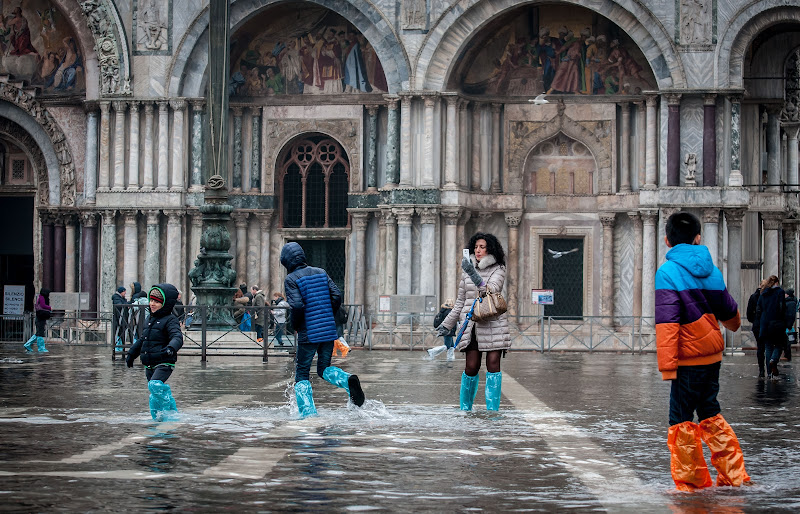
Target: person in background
[(240, 301), (43, 312), (752, 305), (259, 313), (137, 292), (791, 316), (774, 317), (120, 314), (279, 315), (448, 345)]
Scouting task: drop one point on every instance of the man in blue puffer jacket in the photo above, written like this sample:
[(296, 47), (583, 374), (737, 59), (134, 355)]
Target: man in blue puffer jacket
[(314, 300)]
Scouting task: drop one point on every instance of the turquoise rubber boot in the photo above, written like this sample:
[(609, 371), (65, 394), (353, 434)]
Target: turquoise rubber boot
[(494, 383), (469, 388), (162, 404), (346, 381), (305, 399), (29, 345), (40, 345)]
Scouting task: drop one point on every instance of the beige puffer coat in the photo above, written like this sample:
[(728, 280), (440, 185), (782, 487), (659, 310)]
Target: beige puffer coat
[(492, 334)]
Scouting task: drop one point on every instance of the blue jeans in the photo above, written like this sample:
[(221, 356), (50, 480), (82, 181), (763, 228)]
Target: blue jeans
[(448, 341), (695, 389), (304, 356), (773, 348), (279, 331)]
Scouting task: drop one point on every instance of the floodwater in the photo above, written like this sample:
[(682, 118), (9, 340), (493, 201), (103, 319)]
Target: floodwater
[(576, 432)]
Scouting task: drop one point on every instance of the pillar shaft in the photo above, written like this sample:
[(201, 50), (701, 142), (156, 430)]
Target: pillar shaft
[(360, 221), (236, 180), (119, 144), (152, 250), (104, 147), (253, 253), (147, 171), (69, 255), (451, 262), (89, 261), (651, 152), (607, 221), (451, 140), (476, 147), (733, 219), (108, 256), (163, 145), (130, 252), (404, 217), (372, 147), (47, 250), (625, 148), (429, 165), (710, 141), (773, 150), (792, 155), (393, 142), (427, 282), (198, 145), (512, 263), (265, 222), (463, 171), (178, 109), (710, 234), (240, 219), (405, 141), (648, 251), (674, 140), (772, 227), (173, 268), (59, 254), (133, 147), (789, 278), (90, 170), (255, 150), (390, 274), (735, 178), (495, 162)]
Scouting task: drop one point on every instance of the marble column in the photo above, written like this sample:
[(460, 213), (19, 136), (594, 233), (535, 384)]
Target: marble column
[(476, 147), (772, 227), (710, 235), (648, 251), (264, 224), (427, 264), (792, 133), (393, 141), (641, 151), (174, 248), (89, 261), (638, 265), (236, 181), (625, 148), (404, 219), (710, 140), (90, 169), (789, 256), (69, 253), (372, 148), (108, 258), (735, 179), (451, 250), (405, 141), (608, 220), (147, 171), (674, 140), (240, 220), (360, 222), (463, 170), (130, 251), (253, 273), (59, 252), (178, 138), (733, 218), (152, 249), (104, 173), (495, 164), (163, 145), (119, 144), (195, 231), (255, 150), (773, 149), (451, 140), (513, 220), (429, 167), (651, 155), (133, 147), (380, 252), (48, 252), (390, 253), (197, 145)]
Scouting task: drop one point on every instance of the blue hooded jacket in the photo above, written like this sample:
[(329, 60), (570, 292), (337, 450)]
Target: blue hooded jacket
[(312, 295)]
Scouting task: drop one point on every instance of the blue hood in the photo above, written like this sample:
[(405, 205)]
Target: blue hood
[(292, 256), (696, 259)]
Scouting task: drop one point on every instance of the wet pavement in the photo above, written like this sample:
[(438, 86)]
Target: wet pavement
[(576, 431)]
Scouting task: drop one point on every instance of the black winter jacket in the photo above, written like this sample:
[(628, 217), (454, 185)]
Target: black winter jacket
[(137, 292), (161, 330), (437, 320), (752, 304), (772, 312)]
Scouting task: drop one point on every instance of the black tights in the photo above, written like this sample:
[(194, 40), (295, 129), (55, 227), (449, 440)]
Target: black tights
[(473, 364)]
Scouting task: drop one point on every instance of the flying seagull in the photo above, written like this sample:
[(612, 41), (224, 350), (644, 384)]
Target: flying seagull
[(556, 255), (539, 100)]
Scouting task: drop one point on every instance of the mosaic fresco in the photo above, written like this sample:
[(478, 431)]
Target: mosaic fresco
[(554, 50), (38, 46), (305, 50)]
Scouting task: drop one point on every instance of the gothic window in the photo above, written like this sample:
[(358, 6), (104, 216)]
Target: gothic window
[(560, 166), (313, 184)]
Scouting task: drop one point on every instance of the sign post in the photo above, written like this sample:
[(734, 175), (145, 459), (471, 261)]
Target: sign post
[(14, 301)]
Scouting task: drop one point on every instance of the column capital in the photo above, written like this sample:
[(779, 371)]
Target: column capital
[(463, 104), (451, 215), (773, 109), (710, 99), (196, 215), (772, 220), (152, 216), (513, 219), (792, 130), (651, 100), (429, 100), (372, 110), (134, 105), (108, 216), (198, 104), (636, 218), (173, 216), (452, 100), (119, 105), (255, 111), (88, 218), (496, 108), (178, 104), (163, 105), (734, 217), (649, 217), (388, 217), (90, 106), (608, 219), (58, 217), (240, 219), (264, 220), (711, 215), (148, 107), (105, 105), (129, 216), (360, 219), (673, 98), (625, 106), (404, 215), (428, 215), (237, 110)]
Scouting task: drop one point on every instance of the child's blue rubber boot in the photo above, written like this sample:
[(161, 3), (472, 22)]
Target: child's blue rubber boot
[(305, 399), (29, 345), (162, 404), (40, 345), (346, 381)]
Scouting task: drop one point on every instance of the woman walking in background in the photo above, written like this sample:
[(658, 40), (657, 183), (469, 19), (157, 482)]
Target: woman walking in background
[(774, 320), (43, 311)]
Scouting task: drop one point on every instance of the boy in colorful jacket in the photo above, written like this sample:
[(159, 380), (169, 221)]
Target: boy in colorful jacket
[(691, 300)]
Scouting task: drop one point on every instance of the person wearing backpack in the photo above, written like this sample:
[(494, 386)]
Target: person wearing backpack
[(448, 345), (752, 305), (771, 310)]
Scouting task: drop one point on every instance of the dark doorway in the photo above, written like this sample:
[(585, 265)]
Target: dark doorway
[(327, 254), (562, 271), (16, 245)]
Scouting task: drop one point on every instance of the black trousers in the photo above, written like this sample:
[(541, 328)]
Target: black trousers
[(160, 372)]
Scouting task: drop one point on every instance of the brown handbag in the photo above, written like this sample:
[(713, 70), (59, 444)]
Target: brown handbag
[(489, 306)]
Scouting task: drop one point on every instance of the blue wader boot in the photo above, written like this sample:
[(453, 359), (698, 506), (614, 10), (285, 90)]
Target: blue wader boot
[(29, 345), (162, 404), (305, 399), (469, 388), (40, 345), (494, 383), (346, 381)]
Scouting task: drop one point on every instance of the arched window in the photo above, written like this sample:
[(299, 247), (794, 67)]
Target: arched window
[(313, 184)]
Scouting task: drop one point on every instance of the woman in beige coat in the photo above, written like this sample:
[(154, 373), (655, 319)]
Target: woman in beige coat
[(484, 270)]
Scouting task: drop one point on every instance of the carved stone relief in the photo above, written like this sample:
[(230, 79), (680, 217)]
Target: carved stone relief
[(695, 20), (114, 78), (28, 103), (414, 15), (152, 27), (791, 107)]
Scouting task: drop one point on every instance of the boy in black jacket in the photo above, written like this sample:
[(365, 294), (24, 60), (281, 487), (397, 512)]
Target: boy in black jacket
[(161, 339)]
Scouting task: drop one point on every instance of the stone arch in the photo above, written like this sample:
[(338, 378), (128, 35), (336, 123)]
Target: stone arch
[(745, 25), (187, 73), (23, 109), (437, 57), (560, 123), (19, 136)]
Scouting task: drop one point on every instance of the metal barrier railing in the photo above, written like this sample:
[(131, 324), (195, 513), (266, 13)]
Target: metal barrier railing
[(16, 327)]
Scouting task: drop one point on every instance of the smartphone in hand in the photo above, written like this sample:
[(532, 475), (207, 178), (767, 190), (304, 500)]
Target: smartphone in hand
[(465, 253)]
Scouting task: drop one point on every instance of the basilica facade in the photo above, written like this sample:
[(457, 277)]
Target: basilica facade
[(381, 135)]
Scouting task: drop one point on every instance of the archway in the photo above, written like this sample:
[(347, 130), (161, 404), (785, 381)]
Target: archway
[(560, 165)]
